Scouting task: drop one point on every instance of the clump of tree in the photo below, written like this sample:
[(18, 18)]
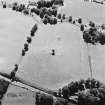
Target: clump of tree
[(4, 6), (48, 4), (63, 16), (103, 26), (3, 88), (26, 12), (59, 16), (101, 38), (44, 99), (94, 36), (91, 24), (43, 3), (20, 7), (70, 19), (14, 5), (80, 21), (35, 10), (58, 2), (50, 20), (45, 21), (82, 27), (85, 92)]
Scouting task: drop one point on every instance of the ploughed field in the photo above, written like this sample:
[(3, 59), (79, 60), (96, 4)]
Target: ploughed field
[(39, 66)]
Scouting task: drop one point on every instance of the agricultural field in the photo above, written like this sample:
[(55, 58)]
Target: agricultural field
[(70, 61)]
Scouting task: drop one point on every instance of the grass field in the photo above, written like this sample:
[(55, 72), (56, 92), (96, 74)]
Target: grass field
[(39, 66)]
